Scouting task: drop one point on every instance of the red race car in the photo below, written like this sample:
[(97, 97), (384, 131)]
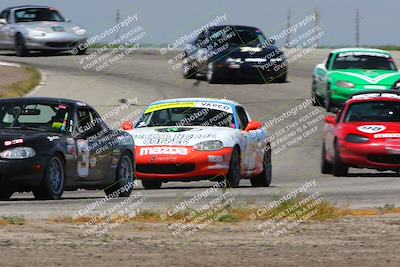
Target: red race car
[(366, 134)]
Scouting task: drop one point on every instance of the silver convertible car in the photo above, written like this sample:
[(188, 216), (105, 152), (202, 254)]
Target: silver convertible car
[(39, 28)]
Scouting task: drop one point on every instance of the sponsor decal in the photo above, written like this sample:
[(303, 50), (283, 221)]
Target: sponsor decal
[(52, 138), (13, 142), (209, 105), (371, 129), (371, 54), (166, 150), (83, 163), (387, 135)]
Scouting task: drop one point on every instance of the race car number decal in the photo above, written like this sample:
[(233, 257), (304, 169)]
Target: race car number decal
[(163, 151), (84, 157), (371, 129)]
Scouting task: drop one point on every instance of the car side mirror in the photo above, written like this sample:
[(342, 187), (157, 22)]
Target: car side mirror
[(3, 22), (253, 125), (128, 125), (330, 119)]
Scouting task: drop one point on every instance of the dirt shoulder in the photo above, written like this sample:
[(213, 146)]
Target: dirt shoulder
[(17, 81), (350, 241)]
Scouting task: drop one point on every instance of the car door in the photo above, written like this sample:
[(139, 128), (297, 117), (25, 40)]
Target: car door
[(94, 145), (6, 40), (251, 152)]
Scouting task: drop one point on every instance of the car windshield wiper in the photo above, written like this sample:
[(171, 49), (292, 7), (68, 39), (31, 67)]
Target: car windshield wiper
[(24, 128)]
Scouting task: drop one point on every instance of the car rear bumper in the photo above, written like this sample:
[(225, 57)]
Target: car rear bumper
[(196, 165), (23, 173), (371, 155)]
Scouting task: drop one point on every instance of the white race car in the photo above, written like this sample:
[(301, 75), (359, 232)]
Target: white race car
[(191, 139)]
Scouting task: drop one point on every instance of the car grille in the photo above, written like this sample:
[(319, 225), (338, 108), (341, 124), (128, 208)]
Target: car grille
[(165, 168), (61, 44), (386, 159)]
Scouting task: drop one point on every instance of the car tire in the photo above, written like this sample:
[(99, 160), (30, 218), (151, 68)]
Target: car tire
[(20, 46), (264, 178), (316, 99), (212, 76), (53, 182), (5, 195), (151, 184), (125, 175), (233, 176), (81, 51), (326, 166), (328, 100), (282, 78), (339, 168), (188, 72)]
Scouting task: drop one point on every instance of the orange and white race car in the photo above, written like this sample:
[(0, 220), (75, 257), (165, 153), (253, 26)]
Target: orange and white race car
[(191, 139)]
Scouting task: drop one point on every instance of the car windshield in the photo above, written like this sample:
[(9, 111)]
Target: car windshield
[(237, 36), (374, 111), (186, 117), (364, 61), (37, 14), (34, 116)]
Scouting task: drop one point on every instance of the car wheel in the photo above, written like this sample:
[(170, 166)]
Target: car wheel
[(52, 186), (339, 168), (5, 195), (265, 177), (211, 74), (82, 51), (151, 184), (188, 72), (233, 176), (316, 99), (20, 47), (281, 78), (326, 166), (328, 101), (125, 177)]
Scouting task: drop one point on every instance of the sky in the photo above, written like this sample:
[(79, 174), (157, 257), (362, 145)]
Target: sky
[(165, 21)]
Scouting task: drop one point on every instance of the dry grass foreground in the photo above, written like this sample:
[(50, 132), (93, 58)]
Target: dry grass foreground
[(17, 81)]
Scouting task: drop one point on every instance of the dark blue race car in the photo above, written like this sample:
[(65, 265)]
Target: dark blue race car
[(234, 52)]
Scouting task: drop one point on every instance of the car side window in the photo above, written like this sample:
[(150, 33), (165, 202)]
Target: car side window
[(89, 122), (328, 60), (243, 119)]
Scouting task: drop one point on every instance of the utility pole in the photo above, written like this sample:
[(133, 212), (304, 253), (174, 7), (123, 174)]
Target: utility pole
[(288, 27), (357, 27), (117, 19), (317, 17)]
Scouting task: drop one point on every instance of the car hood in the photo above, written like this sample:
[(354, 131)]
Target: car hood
[(364, 76), (51, 26), (34, 139), (373, 129), (183, 136)]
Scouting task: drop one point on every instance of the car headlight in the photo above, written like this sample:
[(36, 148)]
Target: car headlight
[(36, 33), (18, 153), (345, 84), (80, 31), (209, 145), (354, 138), (233, 60)]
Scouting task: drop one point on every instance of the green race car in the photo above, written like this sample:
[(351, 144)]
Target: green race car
[(352, 70)]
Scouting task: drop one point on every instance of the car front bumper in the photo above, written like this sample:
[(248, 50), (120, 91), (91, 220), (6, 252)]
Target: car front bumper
[(22, 173), (196, 165), (379, 155), (248, 71), (55, 41)]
